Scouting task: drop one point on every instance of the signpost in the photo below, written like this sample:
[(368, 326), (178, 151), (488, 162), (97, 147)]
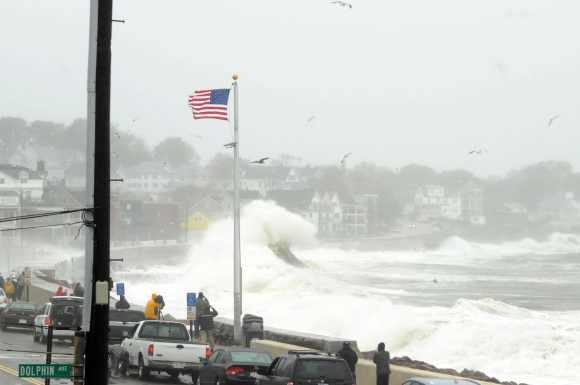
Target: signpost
[(44, 370), (120, 288), (191, 301)]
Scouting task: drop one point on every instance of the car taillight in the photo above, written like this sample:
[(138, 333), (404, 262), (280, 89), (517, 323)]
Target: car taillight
[(208, 352), (150, 349), (235, 370), (290, 383)]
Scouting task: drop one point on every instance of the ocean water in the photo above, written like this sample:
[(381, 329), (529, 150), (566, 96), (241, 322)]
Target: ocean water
[(511, 310)]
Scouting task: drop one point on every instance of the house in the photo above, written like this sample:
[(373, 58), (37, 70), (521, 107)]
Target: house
[(27, 183), (472, 205), (325, 212), (429, 202)]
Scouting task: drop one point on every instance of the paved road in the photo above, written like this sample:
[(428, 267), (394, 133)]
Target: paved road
[(17, 347)]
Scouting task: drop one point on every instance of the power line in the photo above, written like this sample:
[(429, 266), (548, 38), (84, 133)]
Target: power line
[(42, 215), (42, 226)]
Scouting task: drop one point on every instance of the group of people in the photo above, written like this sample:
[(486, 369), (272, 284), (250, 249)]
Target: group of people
[(154, 306), (76, 291), (14, 286), (381, 359)]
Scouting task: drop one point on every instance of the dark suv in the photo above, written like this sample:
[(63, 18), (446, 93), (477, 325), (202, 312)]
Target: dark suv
[(307, 368), (122, 324)]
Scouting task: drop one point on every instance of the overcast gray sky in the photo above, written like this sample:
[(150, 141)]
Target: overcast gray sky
[(392, 81)]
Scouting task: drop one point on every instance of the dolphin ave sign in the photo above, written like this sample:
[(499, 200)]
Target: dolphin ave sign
[(45, 370)]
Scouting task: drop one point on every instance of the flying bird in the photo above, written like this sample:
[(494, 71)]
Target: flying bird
[(552, 120), (260, 161), (310, 119), (344, 158), (230, 145), (340, 3), (476, 152)]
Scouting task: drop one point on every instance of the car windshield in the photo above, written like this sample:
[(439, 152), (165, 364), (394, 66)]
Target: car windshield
[(23, 306), (164, 331), (126, 316), (251, 357), (326, 369)]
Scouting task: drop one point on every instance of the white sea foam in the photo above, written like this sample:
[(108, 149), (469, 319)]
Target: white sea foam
[(508, 342)]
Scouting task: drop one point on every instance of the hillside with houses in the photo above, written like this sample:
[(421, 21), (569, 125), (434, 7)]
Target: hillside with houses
[(168, 194)]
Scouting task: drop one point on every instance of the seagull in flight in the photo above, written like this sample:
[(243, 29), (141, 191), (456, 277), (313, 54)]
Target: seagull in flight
[(552, 120), (343, 4), (344, 158), (260, 161), (310, 119), (230, 145), (476, 152)]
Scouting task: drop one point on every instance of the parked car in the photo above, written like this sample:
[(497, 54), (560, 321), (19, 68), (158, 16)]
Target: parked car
[(233, 366), (306, 368), (18, 314), (64, 313), (122, 324), (163, 346), (439, 381)]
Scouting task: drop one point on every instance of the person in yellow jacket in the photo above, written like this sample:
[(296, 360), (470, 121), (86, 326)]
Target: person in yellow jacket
[(154, 306), (9, 288)]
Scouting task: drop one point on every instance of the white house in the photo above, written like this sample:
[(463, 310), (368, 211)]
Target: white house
[(325, 212), (27, 183)]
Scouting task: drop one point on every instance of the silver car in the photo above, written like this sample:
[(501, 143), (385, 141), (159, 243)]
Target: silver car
[(439, 381)]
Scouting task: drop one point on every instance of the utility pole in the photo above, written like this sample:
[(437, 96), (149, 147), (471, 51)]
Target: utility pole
[(96, 352)]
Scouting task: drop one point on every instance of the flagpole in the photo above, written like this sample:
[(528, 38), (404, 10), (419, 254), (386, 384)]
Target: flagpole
[(237, 256)]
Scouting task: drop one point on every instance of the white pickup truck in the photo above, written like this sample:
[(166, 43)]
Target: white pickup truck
[(163, 346)]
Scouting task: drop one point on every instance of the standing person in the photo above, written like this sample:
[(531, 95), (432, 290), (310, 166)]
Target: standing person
[(349, 355), (9, 288), (382, 360), (153, 307), (205, 314), (160, 305), (122, 304), (78, 290), (60, 292), (20, 286)]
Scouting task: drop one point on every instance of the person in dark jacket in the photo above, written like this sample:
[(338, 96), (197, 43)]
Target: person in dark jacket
[(382, 360), (205, 314), (349, 355), (122, 303), (78, 290)]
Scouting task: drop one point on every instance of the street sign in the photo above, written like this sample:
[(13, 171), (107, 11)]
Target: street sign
[(191, 300), (45, 370), (120, 288)]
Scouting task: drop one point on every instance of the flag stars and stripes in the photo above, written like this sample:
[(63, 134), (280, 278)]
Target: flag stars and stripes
[(210, 104)]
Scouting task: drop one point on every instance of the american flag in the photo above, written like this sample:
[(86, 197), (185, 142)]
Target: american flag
[(210, 104)]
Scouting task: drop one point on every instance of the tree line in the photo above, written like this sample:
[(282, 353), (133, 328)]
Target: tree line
[(530, 185)]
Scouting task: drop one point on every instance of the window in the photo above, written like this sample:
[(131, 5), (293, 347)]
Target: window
[(251, 357), (331, 369), (155, 330)]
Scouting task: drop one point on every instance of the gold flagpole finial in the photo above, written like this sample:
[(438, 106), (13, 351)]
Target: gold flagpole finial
[(235, 77)]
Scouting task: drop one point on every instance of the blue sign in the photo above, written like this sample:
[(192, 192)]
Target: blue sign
[(120, 288), (191, 299)]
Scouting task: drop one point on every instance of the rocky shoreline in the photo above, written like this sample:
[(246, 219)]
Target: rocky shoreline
[(420, 365)]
